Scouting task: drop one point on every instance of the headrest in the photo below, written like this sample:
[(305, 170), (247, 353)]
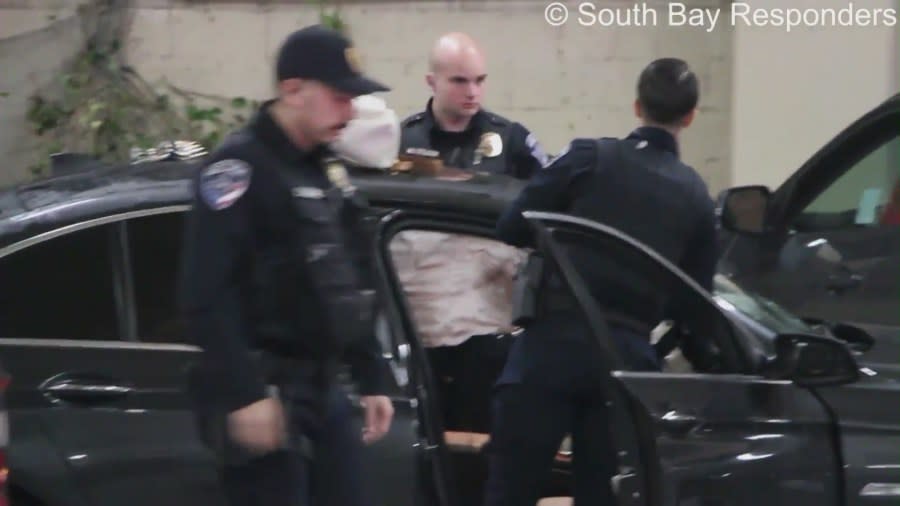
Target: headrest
[(372, 138)]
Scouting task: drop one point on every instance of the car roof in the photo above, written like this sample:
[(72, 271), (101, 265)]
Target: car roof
[(92, 191), (100, 189), (482, 195), (90, 188)]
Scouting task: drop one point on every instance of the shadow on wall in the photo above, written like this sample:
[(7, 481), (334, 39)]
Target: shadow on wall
[(30, 61)]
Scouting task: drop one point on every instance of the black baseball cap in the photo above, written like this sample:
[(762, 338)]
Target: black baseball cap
[(323, 54)]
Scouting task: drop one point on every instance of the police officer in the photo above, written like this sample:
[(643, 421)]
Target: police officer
[(274, 295), (454, 125), (552, 384)]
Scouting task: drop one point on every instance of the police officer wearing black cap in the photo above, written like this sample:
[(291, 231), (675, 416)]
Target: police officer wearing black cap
[(276, 297), (552, 384), (456, 128)]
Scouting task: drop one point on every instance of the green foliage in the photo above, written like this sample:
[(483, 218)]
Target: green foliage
[(103, 107), (330, 17)]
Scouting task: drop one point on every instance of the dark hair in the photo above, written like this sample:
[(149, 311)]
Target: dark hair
[(667, 90)]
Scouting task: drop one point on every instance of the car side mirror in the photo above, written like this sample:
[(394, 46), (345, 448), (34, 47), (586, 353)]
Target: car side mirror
[(856, 338), (743, 209), (812, 361)]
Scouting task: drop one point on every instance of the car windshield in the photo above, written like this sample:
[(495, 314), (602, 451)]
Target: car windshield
[(764, 311)]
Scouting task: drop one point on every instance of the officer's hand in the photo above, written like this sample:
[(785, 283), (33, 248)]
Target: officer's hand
[(379, 413), (259, 427)]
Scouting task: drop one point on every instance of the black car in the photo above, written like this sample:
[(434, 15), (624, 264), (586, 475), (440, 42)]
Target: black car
[(4, 437), (99, 413), (826, 243)]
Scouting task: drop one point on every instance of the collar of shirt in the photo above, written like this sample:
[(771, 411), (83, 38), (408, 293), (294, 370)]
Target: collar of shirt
[(658, 137), (271, 134), (476, 123)]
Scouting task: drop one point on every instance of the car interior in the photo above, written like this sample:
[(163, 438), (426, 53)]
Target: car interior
[(466, 346), (434, 269), (866, 195)]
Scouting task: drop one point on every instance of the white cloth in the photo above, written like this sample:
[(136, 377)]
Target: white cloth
[(457, 285), (372, 138)]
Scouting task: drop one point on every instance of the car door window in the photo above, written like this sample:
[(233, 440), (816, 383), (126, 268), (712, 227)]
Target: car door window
[(60, 288), (768, 313), (154, 245), (866, 195)]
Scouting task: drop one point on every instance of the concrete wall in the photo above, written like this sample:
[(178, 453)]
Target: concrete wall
[(794, 91), (769, 97), (35, 45), (560, 82)]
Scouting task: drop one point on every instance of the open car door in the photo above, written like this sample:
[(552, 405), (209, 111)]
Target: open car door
[(716, 433), (826, 243)]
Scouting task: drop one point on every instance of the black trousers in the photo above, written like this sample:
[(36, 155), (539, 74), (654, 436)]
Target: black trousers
[(530, 423), (550, 387), (332, 475), (465, 375)]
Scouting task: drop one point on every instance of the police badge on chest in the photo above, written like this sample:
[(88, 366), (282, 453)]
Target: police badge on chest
[(489, 146), (337, 174)]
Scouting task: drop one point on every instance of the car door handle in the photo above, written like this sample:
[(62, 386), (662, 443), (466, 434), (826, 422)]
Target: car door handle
[(83, 389), (842, 279), (677, 422)]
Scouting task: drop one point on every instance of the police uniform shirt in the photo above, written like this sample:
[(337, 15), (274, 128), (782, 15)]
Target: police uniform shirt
[(490, 143), (242, 211), (644, 191)]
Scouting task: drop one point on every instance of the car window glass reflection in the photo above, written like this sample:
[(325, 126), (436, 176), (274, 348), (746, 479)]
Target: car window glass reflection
[(868, 194), (154, 243), (61, 288)]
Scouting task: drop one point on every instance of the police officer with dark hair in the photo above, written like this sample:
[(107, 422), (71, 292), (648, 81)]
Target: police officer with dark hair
[(552, 383), (455, 127), (275, 296)]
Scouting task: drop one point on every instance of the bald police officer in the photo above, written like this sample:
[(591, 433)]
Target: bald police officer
[(455, 126), (275, 297), (552, 383)]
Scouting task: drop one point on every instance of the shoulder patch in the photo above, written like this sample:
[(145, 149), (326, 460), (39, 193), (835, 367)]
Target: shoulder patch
[(537, 151), (224, 182)]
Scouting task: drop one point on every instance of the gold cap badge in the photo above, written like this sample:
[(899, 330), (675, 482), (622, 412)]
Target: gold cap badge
[(353, 59)]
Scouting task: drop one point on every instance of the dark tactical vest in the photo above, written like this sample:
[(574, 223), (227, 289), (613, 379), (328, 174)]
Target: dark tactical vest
[(314, 285), (329, 218), (484, 149)]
